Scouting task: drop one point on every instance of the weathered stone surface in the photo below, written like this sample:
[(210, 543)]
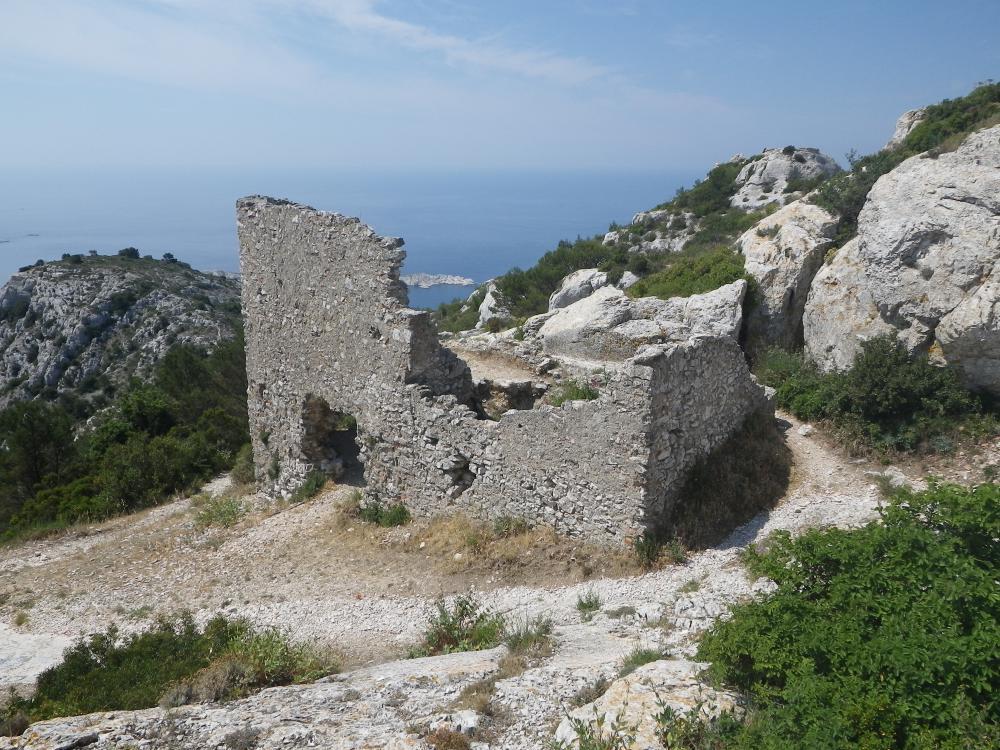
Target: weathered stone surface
[(633, 702), (764, 179), (493, 306), (608, 325), (783, 253), (326, 319), (906, 122), (62, 324), (928, 242), (628, 279), (576, 286)]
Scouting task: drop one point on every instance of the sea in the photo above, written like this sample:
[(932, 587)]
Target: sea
[(475, 224)]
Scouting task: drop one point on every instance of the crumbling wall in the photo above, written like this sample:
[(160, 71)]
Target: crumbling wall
[(326, 318)]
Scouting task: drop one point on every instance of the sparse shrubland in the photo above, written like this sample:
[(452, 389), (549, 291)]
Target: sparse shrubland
[(158, 438), (174, 662), (885, 401), (573, 390)]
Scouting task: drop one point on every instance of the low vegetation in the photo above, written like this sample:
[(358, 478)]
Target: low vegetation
[(157, 439), (384, 515), (886, 401), (637, 657), (588, 604), (464, 626), (573, 390), (172, 663), (880, 637), (692, 273)]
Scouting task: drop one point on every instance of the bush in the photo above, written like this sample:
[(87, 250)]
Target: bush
[(637, 657), (588, 603), (129, 252), (692, 274), (382, 515), (173, 660), (887, 400), (219, 510), (314, 482), (466, 626), (573, 390), (881, 637), (243, 468)]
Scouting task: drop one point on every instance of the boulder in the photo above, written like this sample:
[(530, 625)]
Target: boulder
[(764, 179), (493, 306), (783, 252), (576, 286), (906, 122), (628, 279), (608, 325), (921, 265)]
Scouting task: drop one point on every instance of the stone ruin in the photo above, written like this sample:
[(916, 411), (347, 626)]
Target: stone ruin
[(344, 377)]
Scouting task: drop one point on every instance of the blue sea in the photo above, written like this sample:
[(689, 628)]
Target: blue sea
[(475, 224)]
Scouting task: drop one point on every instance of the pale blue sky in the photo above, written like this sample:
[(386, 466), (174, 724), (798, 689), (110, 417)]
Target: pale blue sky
[(457, 84)]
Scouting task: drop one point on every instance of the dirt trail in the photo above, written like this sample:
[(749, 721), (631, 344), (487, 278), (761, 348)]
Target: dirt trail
[(367, 591)]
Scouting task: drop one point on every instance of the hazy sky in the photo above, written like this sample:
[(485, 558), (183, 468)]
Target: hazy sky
[(457, 84)]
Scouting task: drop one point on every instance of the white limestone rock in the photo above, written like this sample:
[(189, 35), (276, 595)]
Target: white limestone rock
[(783, 252), (906, 122), (608, 325), (576, 286), (628, 279), (764, 179), (611, 238), (492, 306), (922, 263), (636, 699)]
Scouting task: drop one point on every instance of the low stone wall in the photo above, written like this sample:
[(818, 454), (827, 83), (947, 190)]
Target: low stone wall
[(326, 320)]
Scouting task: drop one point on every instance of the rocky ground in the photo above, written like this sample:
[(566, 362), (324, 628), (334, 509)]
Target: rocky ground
[(367, 593)]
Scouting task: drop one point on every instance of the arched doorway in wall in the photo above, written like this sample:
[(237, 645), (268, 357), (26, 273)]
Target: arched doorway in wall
[(330, 441)]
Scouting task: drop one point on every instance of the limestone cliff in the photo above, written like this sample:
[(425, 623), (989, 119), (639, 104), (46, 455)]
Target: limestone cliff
[(74, 326)]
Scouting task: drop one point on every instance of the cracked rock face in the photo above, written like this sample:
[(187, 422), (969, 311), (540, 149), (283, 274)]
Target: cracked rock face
[(764, 179), (64, 324), (906, 122), (576, 286), (609, 325), (783, 252), (922, 264)]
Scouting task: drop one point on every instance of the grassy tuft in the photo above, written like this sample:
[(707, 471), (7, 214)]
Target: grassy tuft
[(465, 626)]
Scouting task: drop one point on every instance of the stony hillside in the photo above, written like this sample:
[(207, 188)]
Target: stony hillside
[(80, 324)]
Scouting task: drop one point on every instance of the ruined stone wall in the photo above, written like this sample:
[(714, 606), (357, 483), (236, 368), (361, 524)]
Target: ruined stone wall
[(326, 319)]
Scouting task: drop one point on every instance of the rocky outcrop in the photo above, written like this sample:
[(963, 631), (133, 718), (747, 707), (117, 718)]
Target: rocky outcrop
[(427, 280), (906, 122), (634, 701), (493, 306), (783, 252), (922, 265), (576, 286), (766, 178), (64, 324), (608, 325)]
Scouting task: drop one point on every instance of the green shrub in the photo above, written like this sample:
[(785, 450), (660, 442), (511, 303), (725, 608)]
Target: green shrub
[(637, 657), (112, 672), (887, 400), (532, 635), (375, 512), (243, 468), (314, 482), (692, 274), (588, 604), (880, 637), (695, 730), (573, 390), (465, 626), (219, 510)]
